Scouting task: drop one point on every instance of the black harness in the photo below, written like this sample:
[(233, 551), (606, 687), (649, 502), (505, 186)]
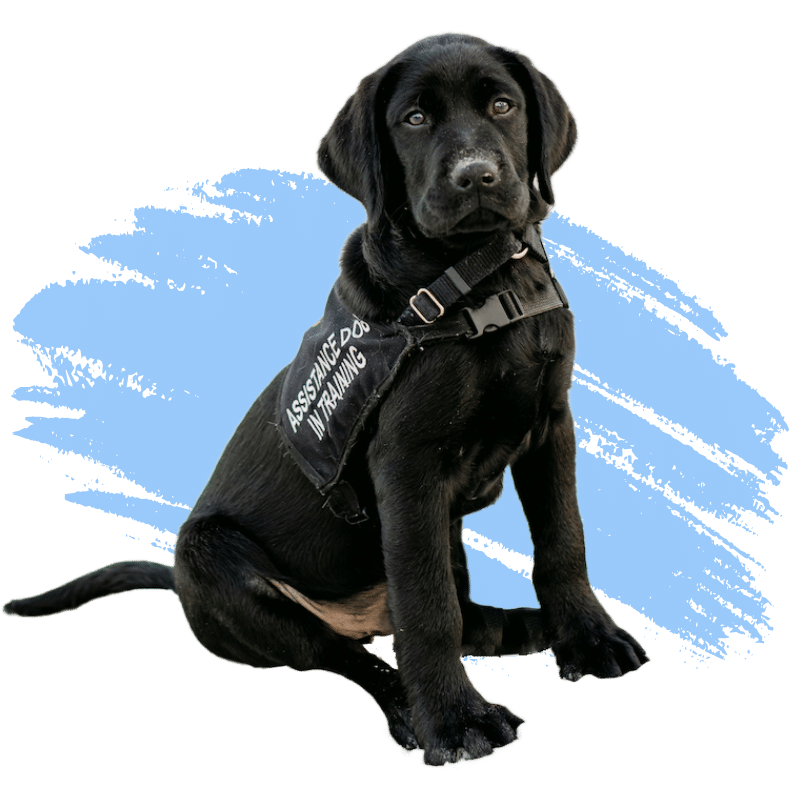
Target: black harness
[(346, 365)]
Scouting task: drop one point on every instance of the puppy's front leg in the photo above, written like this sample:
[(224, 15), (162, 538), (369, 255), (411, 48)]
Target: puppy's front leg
[(451, 720), (585, 638)]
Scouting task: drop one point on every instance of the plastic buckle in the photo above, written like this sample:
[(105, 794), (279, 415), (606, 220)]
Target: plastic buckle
[(496, 312), (426, 293)]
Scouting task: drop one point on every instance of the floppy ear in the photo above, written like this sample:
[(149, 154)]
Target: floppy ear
[(355, 153), (551, 127)]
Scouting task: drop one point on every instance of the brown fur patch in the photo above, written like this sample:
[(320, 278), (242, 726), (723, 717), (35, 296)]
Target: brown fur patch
[(363, 615)]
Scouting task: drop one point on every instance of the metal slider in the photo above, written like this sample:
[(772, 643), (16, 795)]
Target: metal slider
[(426, 293)]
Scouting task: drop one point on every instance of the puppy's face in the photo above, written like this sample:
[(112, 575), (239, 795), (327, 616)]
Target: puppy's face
[(446, 140), (458, 124)]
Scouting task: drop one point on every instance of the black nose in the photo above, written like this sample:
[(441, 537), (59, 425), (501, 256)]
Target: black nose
[(471, 174)]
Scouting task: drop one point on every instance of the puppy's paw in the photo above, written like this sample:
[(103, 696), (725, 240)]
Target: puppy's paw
[(474, 733), (601, 649), (401, 728)]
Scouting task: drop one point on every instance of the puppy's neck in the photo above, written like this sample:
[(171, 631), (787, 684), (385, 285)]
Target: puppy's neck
[(383, 268)]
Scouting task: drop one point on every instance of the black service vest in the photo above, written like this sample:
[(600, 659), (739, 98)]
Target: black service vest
[(337, 378), (345, 366)]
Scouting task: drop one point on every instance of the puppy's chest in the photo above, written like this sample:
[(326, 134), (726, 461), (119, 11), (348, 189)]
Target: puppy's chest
[(514, 376), (517, 358), (496, 387)]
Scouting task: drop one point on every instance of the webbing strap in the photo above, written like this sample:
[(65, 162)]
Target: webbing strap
[(431, 302), (497, 311)]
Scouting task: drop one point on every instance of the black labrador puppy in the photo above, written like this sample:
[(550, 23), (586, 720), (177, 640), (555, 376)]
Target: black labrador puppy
[(289, 561)]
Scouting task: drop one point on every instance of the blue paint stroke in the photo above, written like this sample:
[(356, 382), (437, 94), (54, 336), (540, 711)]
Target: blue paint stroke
[(674, 450)]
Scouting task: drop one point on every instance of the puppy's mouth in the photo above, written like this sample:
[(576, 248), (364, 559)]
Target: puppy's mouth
[(471, 225), (481, 220)]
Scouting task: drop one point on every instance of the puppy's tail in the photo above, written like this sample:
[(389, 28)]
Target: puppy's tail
[(114, 578)]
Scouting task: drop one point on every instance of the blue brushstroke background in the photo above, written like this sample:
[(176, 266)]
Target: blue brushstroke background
[(165, 369)]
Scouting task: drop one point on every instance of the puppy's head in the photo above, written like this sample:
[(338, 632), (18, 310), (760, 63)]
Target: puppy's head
[(448, 137)]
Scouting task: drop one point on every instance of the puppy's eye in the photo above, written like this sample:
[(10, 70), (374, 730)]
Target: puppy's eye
[(501, 106), (417, 118)]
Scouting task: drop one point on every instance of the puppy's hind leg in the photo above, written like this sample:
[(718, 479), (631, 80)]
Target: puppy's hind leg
[(490, 631), (223, 580), (351, 660)]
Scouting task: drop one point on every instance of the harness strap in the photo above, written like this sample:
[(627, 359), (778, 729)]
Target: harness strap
[(498, 310), (342, 501), (430, 303)]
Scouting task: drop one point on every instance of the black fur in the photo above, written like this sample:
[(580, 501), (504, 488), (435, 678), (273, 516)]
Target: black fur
[(444, 146)]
